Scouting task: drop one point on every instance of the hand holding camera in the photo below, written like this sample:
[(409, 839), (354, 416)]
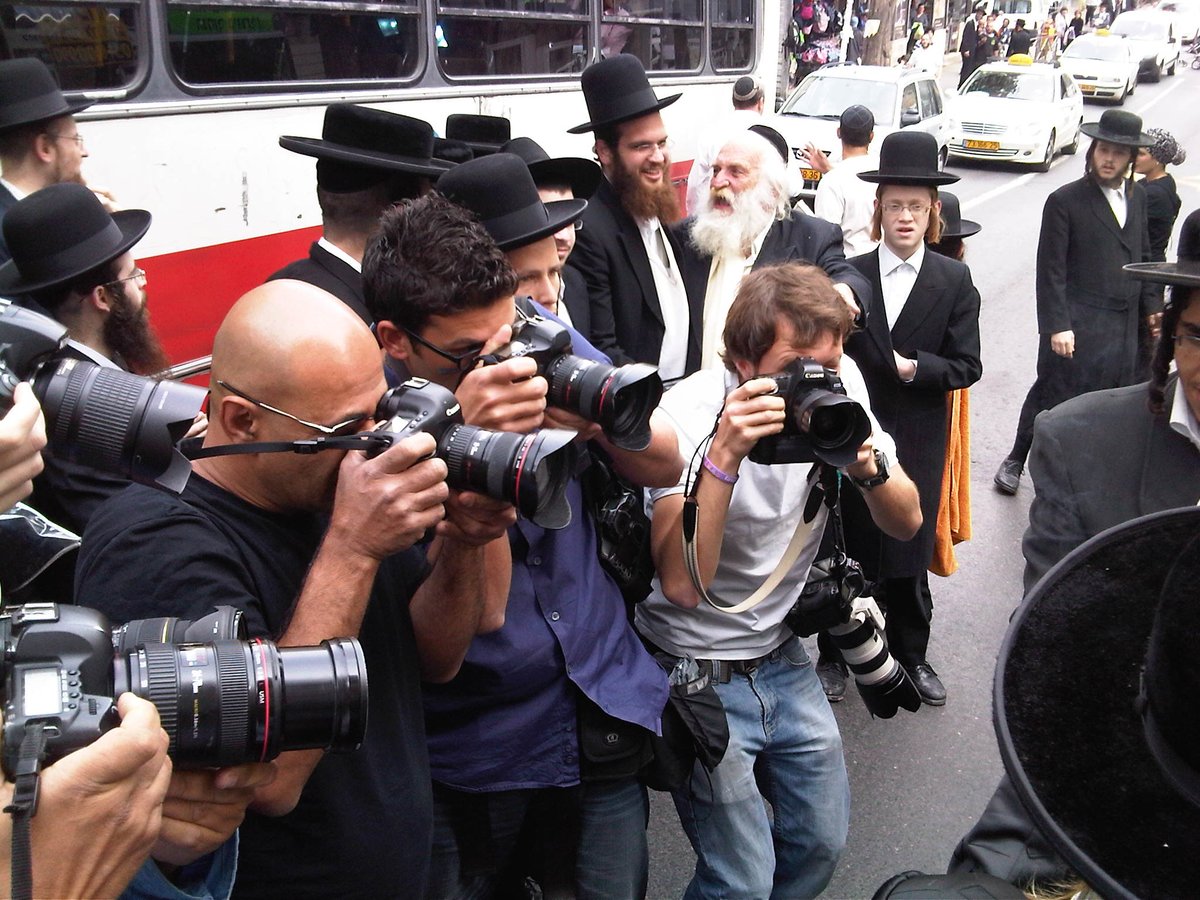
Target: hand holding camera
[(508, 396), (204, 807), (753, 411), (476, 519), (22, 436)]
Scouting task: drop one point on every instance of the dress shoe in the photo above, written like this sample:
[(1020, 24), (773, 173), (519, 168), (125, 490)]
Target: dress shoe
[(929, 686), (833, 679), (1008, 476)]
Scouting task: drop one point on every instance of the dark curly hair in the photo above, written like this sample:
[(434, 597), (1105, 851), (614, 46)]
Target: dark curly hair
[(1164, 352), (431, 257)]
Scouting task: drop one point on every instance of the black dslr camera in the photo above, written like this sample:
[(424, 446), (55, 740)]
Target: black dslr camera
[(530, 471), (619, 399), (222, 700), (123, 424), (822, 424)]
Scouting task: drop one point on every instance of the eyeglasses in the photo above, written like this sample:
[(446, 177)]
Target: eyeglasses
[(340, 428), (463, 362), (665, 146), (136, 275), (1188, 341), (76, 137), (917, 209)]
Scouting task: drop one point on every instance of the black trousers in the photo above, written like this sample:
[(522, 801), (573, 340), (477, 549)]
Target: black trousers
[(908, 605)]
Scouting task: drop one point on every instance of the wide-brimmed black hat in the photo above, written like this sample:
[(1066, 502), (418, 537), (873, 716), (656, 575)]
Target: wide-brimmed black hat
[(501, 192), (909, 157), (373, 139), (617, 90), (452, 151), (1185, 272), (483, 134), (1117, 126), (582, 175), (63, 231), (1101, 763), (28, 93), (953, 224)]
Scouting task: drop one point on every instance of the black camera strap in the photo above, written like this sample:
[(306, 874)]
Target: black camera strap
[(364, 440), (24, 807)]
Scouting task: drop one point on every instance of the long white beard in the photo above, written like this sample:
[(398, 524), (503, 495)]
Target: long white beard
[(732, 233)]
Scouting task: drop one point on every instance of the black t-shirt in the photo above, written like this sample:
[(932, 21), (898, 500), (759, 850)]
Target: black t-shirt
[(363, 823)]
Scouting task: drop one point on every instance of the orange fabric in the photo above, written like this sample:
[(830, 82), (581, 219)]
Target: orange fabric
[(954, 509)]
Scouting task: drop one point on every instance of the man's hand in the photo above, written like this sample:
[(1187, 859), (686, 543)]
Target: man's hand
[(106, 198), (752, 412), (864, 466), (509, 396), (198, 428), (476, 519), (847, 295), (1154, 324), (203, 809), (386, 504), (101, 808), (817, 159), (1063, 343), (906, 368), (22, 436), (584, 429)]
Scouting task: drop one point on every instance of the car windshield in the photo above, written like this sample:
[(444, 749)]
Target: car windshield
[(1109, 51), (1012, 7), (828, 98), (1146, 29), (1011, 85)]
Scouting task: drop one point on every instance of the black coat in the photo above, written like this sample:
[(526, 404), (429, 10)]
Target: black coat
[(939, 328), (575, 298), (331, 274), (1081, 288), (626, 319), (7, 202)]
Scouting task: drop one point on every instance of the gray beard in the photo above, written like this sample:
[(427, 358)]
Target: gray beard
[(730, 235)]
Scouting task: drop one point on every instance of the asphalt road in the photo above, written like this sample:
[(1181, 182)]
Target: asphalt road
[(918, 781)]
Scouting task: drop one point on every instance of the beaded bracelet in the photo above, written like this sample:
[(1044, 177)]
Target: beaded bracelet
[(712, 469)]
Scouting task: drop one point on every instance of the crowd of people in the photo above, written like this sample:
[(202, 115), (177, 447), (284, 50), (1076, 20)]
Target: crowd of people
[(524, 690)]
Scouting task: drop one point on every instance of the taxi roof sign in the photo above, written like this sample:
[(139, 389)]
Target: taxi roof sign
[(1020, 59)]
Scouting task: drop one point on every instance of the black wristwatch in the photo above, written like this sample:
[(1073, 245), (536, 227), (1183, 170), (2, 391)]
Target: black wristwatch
[(881, 475)]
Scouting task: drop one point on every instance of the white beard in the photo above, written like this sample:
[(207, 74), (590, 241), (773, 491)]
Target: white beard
[(731, 234)]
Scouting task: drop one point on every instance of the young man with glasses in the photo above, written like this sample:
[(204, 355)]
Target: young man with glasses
[(921, 341)]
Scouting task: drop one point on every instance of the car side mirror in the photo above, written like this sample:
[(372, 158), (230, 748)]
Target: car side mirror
[(909, 117)]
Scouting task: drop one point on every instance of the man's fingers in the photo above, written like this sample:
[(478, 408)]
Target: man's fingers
[(248, 775), (502, 336)]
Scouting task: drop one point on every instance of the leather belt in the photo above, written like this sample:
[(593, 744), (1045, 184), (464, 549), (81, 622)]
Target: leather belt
[(721, 671)]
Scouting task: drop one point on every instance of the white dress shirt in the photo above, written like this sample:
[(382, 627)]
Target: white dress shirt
[(672, 299), (1183, 420), (898, 277), (17, 193), (340, 254), (1116, 199)]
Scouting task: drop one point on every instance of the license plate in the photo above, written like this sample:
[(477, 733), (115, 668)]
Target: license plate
[(1087, 89), (811, 174), (982, 145)]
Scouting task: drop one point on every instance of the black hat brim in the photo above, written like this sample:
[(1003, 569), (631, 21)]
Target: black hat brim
[(133, 224), (559, 213), (1180, 274), (1095, 132), (965, 229), (67, 108), (926, 179), (322, 149), (624, 116), (1070, 734), (582, 175)]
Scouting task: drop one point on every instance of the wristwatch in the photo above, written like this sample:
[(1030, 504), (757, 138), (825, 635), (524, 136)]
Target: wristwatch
[(881, 475)]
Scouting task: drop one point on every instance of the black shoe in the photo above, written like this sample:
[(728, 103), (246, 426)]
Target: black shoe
[(929, 686), (833, 679), (1008, 476)]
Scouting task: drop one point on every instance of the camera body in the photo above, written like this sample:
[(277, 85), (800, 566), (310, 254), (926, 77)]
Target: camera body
[(27, 339), (822, 424)]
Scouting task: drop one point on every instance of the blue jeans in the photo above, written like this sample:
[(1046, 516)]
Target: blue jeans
[(784, 746), (484, 844)]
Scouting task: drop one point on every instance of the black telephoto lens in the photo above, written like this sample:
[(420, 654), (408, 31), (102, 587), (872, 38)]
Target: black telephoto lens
[(225, 623), (229, 702), (619, 399), (530, 471), (835, 424), (123, 424)]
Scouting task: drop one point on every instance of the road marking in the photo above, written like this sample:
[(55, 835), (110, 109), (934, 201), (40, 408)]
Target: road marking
[(1178, 83)]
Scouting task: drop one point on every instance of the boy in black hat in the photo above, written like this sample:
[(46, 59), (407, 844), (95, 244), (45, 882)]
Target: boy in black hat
[(1088, 308), (627, 256), (367, 159), (40, 144)]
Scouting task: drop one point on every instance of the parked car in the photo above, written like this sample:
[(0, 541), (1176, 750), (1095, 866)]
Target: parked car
[(1187, 17), (1017, 111), (1153, 36), (899, 98), (1103, 65)]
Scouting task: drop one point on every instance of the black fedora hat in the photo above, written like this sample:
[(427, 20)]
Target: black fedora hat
[(909, 157), (500, 191), (63, 231), (1100, 762), (452, 151), (28, 93), (1185, 272), (372, 138), (582, 175), (617, 90), (953, 224), (1117, 126), (483, 134)]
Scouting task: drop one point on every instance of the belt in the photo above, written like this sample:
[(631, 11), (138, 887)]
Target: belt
[(721, 671)]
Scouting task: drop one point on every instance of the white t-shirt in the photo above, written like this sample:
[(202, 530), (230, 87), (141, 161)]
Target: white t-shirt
[(849, 202), (766, 506)]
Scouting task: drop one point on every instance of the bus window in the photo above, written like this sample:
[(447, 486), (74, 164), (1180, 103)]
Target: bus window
[(89, 47), (211, 44), (732, 34), (509, 37), (665, 36)]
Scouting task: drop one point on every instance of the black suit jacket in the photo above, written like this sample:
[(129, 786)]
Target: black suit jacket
[(939, 328), (575, 298), (331, 274), (801, 238), (7, 201), (626, 319)]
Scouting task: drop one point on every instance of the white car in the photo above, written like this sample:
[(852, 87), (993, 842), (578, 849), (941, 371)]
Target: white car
[(1017, 111), (898, 98), (1187, 17), (1152, 34), (1103, 66)]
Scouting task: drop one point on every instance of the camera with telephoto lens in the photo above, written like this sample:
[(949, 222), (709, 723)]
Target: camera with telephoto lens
[(834, 601), (530, 471), (106, 418), (619, 399), (221, 699), (822, 424)]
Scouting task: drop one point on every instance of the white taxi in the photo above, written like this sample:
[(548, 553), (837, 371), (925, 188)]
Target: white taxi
[(1017, 111), (1103, 65)]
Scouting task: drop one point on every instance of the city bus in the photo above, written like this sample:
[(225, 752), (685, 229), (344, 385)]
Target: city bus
[(190, 98)]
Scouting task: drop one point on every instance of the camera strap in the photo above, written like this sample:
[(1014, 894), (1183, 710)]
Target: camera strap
[(24, 807), (364, 440)]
